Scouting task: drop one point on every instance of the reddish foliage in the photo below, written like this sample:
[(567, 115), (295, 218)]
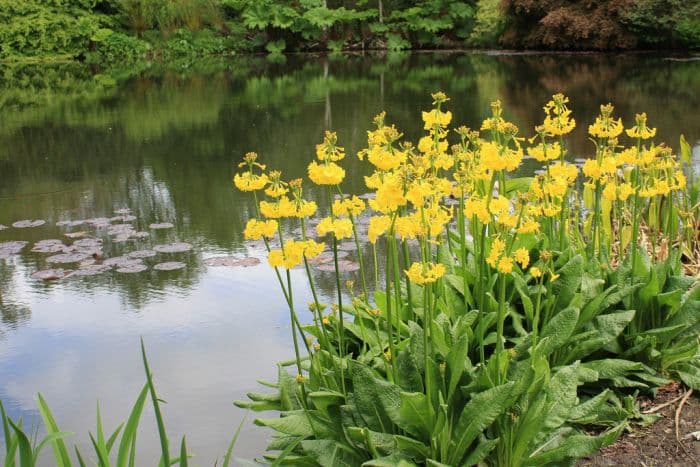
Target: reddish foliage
[(567, 24)]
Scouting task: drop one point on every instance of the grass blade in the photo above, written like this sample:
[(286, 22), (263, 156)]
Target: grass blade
[(127, 444), (234, 440), (10, 440), (183, 453), (156, 408), (59, 446), (81, 461), (113, 438), (26, 456), (103, 460)]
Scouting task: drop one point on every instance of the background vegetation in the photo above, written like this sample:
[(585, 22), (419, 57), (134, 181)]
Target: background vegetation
[(105, 31)]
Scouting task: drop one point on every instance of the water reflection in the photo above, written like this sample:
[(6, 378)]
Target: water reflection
[(163, 141)]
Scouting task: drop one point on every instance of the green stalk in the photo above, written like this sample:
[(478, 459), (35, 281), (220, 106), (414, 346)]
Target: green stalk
[(292, 316), (390, 323), (499, 325)]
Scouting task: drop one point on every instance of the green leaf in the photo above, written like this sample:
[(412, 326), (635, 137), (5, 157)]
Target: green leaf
[(394, 460), (569, 281), (557, 332), (479, 413), (26, 456), (292, 423), (612, 367), (415, 415), (127, 444), (410, 378), (574, 447), (330, 452), (183, 453), (686, 152), (456, 361), (60, 450), (156, 408), (375, 398), (323, 400), (481, 450)]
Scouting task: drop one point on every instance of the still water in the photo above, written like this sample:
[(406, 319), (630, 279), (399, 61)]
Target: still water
[(163, 142)]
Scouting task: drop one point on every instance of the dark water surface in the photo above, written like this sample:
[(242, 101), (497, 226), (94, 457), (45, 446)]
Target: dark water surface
[(163, 143)]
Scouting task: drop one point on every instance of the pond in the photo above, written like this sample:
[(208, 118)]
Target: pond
[(159, 145)]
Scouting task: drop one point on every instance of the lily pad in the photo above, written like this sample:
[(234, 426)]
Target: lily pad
[(28, 223), (140, 235), (51, 274), (347, 246), (3, 227), (65, 258), (122, 211), (169, 266), (326, 257), (87, 243), (99, 222), (68, 223), (344, 265), (80, 234), (49, 246), (8, 249), (232, 261), (162, 225), (177, 247), (121, 261), (142, 254), (123, 218), (90, 270), (132, 268)]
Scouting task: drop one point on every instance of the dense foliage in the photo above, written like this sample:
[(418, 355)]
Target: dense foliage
[(514, 315), (106, 31)]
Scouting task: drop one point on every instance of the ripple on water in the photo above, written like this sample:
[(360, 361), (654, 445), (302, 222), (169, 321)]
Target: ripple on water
[(232, 261)]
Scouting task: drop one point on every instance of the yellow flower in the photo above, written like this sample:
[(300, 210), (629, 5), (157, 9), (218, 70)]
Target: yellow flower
[(385, 159), (255, 229), (407, 227), (329, 173), (505, 265), (535, 272), (248, 181), (275, 258), (522, 257), (436, 117), (378, 225), (312, 249), (328, 150), (475, 206), (605, 126), (348, 206), (545, 152), (497, 247), (640, 130), (528, 226), (389, 197), (420, 273), (340, 228)]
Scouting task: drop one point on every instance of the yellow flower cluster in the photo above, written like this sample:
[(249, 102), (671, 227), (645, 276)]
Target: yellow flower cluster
[(284, 207), (558, 121), (256, 229), (422, 273), (605, 126), (353, 206), (502, 261), (293, 253), (340, 228)]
